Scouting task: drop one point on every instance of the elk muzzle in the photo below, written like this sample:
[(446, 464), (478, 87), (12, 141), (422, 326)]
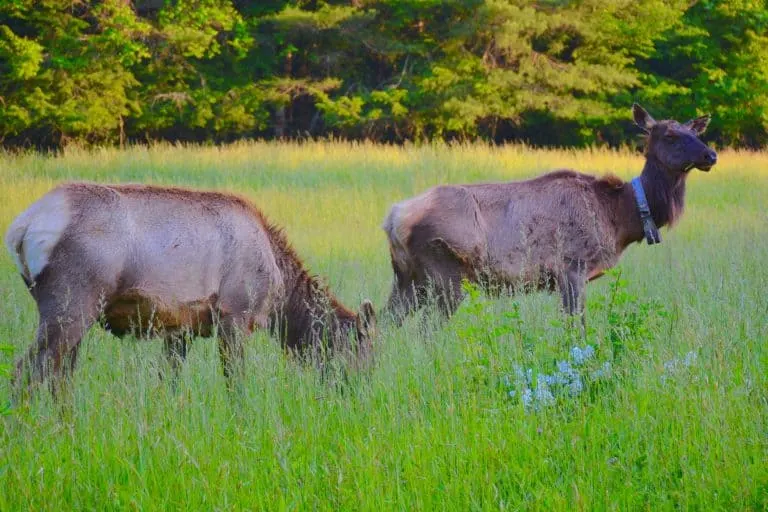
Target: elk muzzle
[(708, 160)]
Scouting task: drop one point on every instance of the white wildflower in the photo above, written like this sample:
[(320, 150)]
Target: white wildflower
[(527, 398), (582, 355), (675, 364), (602, 372)]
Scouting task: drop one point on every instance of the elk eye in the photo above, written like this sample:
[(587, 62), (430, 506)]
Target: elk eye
[(671, 136)]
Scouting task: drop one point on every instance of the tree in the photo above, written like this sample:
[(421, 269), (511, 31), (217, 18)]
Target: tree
[(70, 69), (548, 71), (715, 62)]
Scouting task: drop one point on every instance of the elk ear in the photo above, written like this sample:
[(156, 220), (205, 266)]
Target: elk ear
[(698, 125), (366, 319), (642, 118)]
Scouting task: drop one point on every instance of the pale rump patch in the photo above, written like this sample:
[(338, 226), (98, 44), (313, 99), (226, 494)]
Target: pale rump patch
[(398, 224), (394, 229), (13, 238), (34, 234)]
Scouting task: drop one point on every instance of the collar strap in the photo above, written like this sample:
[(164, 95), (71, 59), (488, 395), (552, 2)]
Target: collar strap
[(652, 234)]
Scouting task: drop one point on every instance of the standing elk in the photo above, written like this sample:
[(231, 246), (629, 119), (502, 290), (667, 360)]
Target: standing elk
[(553, 232), (167, 262)]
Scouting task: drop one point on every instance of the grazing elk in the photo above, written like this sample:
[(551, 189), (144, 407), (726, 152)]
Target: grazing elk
[(169, 262), (553, 232)]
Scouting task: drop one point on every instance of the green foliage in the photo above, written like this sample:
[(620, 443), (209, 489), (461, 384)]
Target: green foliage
[(480, 330), (630, 320), (23, 56), (715, 62), (550, 72)]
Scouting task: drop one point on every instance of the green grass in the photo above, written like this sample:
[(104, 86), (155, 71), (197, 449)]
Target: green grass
[(432, 425)]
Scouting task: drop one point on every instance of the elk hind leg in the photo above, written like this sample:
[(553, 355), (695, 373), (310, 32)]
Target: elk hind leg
[(53, 355), (446, 270), (407, 297)]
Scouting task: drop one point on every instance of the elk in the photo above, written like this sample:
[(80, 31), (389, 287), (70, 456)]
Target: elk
[(554, 232), (168, 262)]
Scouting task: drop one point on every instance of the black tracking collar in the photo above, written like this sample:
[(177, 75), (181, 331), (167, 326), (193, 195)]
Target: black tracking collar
[(652, 234)]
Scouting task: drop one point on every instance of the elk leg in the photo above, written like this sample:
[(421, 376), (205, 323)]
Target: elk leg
[(65, 314), (175, 350), (406, 298), (53, 356), (231, 350), (449, 294), (445, 271), (572, 284)]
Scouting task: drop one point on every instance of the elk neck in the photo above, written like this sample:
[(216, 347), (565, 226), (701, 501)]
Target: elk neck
[(665, 191), (307, 307)]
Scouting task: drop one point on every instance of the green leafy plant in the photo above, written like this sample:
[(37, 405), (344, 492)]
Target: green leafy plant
[(629, 319), (588, 365)]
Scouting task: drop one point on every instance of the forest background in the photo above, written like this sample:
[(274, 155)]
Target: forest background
[(546, 72)]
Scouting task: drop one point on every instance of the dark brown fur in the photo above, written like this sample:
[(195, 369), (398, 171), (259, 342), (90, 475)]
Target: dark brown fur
[(171, 262), (553, 232)]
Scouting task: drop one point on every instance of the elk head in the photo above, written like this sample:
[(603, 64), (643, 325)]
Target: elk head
[(676, 146)]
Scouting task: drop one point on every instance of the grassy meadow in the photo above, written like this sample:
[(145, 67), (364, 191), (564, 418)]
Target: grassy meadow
[(670, 411)]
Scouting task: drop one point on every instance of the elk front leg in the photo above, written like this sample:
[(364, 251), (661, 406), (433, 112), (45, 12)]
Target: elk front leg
[(573, 284), (232, 331), (175, 349)]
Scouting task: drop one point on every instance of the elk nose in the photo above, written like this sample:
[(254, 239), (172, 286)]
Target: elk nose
[(710, 157)]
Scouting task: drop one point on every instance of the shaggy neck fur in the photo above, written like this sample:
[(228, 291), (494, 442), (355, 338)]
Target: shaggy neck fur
[(665, 191), (308, 311)]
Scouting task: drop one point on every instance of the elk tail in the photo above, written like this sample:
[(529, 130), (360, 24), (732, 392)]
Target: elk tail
[(34, 234), (14, 241)]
